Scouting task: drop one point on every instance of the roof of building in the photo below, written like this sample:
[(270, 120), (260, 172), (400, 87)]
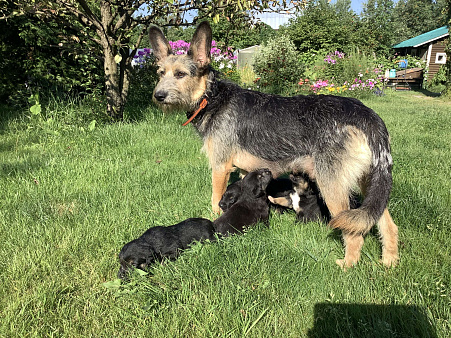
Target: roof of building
[(424, 38)]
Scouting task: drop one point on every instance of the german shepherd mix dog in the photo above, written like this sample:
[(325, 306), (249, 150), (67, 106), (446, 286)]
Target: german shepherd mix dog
[(248, 206), (159, 243), (337, 141)]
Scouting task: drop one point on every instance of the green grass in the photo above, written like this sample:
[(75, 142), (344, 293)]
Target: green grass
[(71, 198)]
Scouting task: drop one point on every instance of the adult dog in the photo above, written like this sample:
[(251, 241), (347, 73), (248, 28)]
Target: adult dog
[(337, 141), (160, 243), (246, 205)]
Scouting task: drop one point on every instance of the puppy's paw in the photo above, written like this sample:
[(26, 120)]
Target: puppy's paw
[(272, 200)]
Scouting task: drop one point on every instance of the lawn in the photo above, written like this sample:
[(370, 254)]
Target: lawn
[(72, 194)]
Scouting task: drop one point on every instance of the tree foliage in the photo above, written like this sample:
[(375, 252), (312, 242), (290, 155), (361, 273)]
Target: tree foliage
[(324, 25), (415, 17), (111, 24), (447, 92), (34, 54), (377, 25)]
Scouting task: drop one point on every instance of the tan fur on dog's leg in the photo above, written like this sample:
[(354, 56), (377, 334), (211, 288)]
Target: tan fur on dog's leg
[(353, 245), (219, 179), (389, 238)]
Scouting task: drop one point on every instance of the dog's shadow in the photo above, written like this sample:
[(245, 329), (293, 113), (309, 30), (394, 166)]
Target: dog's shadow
[(370, 320)]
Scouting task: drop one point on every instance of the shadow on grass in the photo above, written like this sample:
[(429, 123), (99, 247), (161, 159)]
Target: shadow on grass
[(8, 113), (20, 168), (428, 93), (366, 320)]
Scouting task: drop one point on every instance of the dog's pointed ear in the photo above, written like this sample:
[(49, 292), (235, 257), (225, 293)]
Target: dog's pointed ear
[(200, 47), (160, 45)]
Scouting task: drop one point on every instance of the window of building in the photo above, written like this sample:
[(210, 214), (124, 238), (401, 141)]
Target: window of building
[(440, 58)]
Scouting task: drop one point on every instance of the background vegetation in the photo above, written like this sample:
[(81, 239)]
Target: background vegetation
[(48, 49), (74, 192)]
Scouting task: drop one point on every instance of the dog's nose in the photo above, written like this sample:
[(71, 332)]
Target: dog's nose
[(160, 95), (121, 273)]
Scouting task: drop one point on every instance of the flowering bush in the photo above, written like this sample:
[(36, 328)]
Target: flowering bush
[(332, 58), (338, 73), (223, 61)]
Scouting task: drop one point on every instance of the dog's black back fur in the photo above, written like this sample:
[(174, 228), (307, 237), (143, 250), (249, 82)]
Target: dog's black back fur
[(250, 207), (160, 242)]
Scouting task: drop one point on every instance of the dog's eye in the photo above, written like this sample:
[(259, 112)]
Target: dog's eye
[(180, 75), (161, 73)]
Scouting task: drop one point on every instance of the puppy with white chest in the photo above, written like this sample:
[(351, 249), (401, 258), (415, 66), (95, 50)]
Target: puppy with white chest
[(305, 200)]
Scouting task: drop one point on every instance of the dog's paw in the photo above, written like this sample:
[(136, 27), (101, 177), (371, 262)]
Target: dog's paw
[(344, 265), (390, 261), (341, 263), (271, 199), (216, 209)]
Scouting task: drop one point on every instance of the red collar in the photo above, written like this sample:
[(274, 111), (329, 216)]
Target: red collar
[(201, 106)]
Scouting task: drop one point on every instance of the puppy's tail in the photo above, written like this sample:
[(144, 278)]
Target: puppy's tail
[(362, 219)]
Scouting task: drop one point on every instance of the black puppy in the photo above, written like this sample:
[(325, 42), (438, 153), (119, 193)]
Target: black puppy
[(231, 195), (304, 199), (160, 242), (280, 187), (246, 204)]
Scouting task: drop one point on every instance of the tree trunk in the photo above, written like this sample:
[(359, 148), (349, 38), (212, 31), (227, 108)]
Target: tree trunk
[(125, 72), (114, 98)]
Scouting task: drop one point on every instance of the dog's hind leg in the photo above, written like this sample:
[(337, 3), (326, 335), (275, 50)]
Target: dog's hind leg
[(335, 193), (389, 238), (353, 245)]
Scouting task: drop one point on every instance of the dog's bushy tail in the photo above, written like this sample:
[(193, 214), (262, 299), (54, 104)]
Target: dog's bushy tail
[(362, 219)]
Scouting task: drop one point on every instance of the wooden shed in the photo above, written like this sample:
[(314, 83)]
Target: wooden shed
[(430, 46)]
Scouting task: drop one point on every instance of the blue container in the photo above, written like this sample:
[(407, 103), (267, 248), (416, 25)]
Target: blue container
[(403, 63), (392, 73)]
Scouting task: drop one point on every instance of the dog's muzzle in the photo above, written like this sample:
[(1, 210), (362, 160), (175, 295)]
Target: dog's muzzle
[(160, 95)]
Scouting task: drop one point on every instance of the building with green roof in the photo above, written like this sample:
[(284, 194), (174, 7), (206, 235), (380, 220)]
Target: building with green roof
[(430, 46)]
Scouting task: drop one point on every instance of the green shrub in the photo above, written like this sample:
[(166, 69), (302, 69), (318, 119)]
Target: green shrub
[(277, 64), (438, 79), (143, 81)]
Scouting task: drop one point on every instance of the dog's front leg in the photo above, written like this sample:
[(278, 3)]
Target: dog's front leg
[(219, 178)]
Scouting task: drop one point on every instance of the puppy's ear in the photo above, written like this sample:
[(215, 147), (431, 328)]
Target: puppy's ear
[(200, 47), (283, 201), (160, 45)]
